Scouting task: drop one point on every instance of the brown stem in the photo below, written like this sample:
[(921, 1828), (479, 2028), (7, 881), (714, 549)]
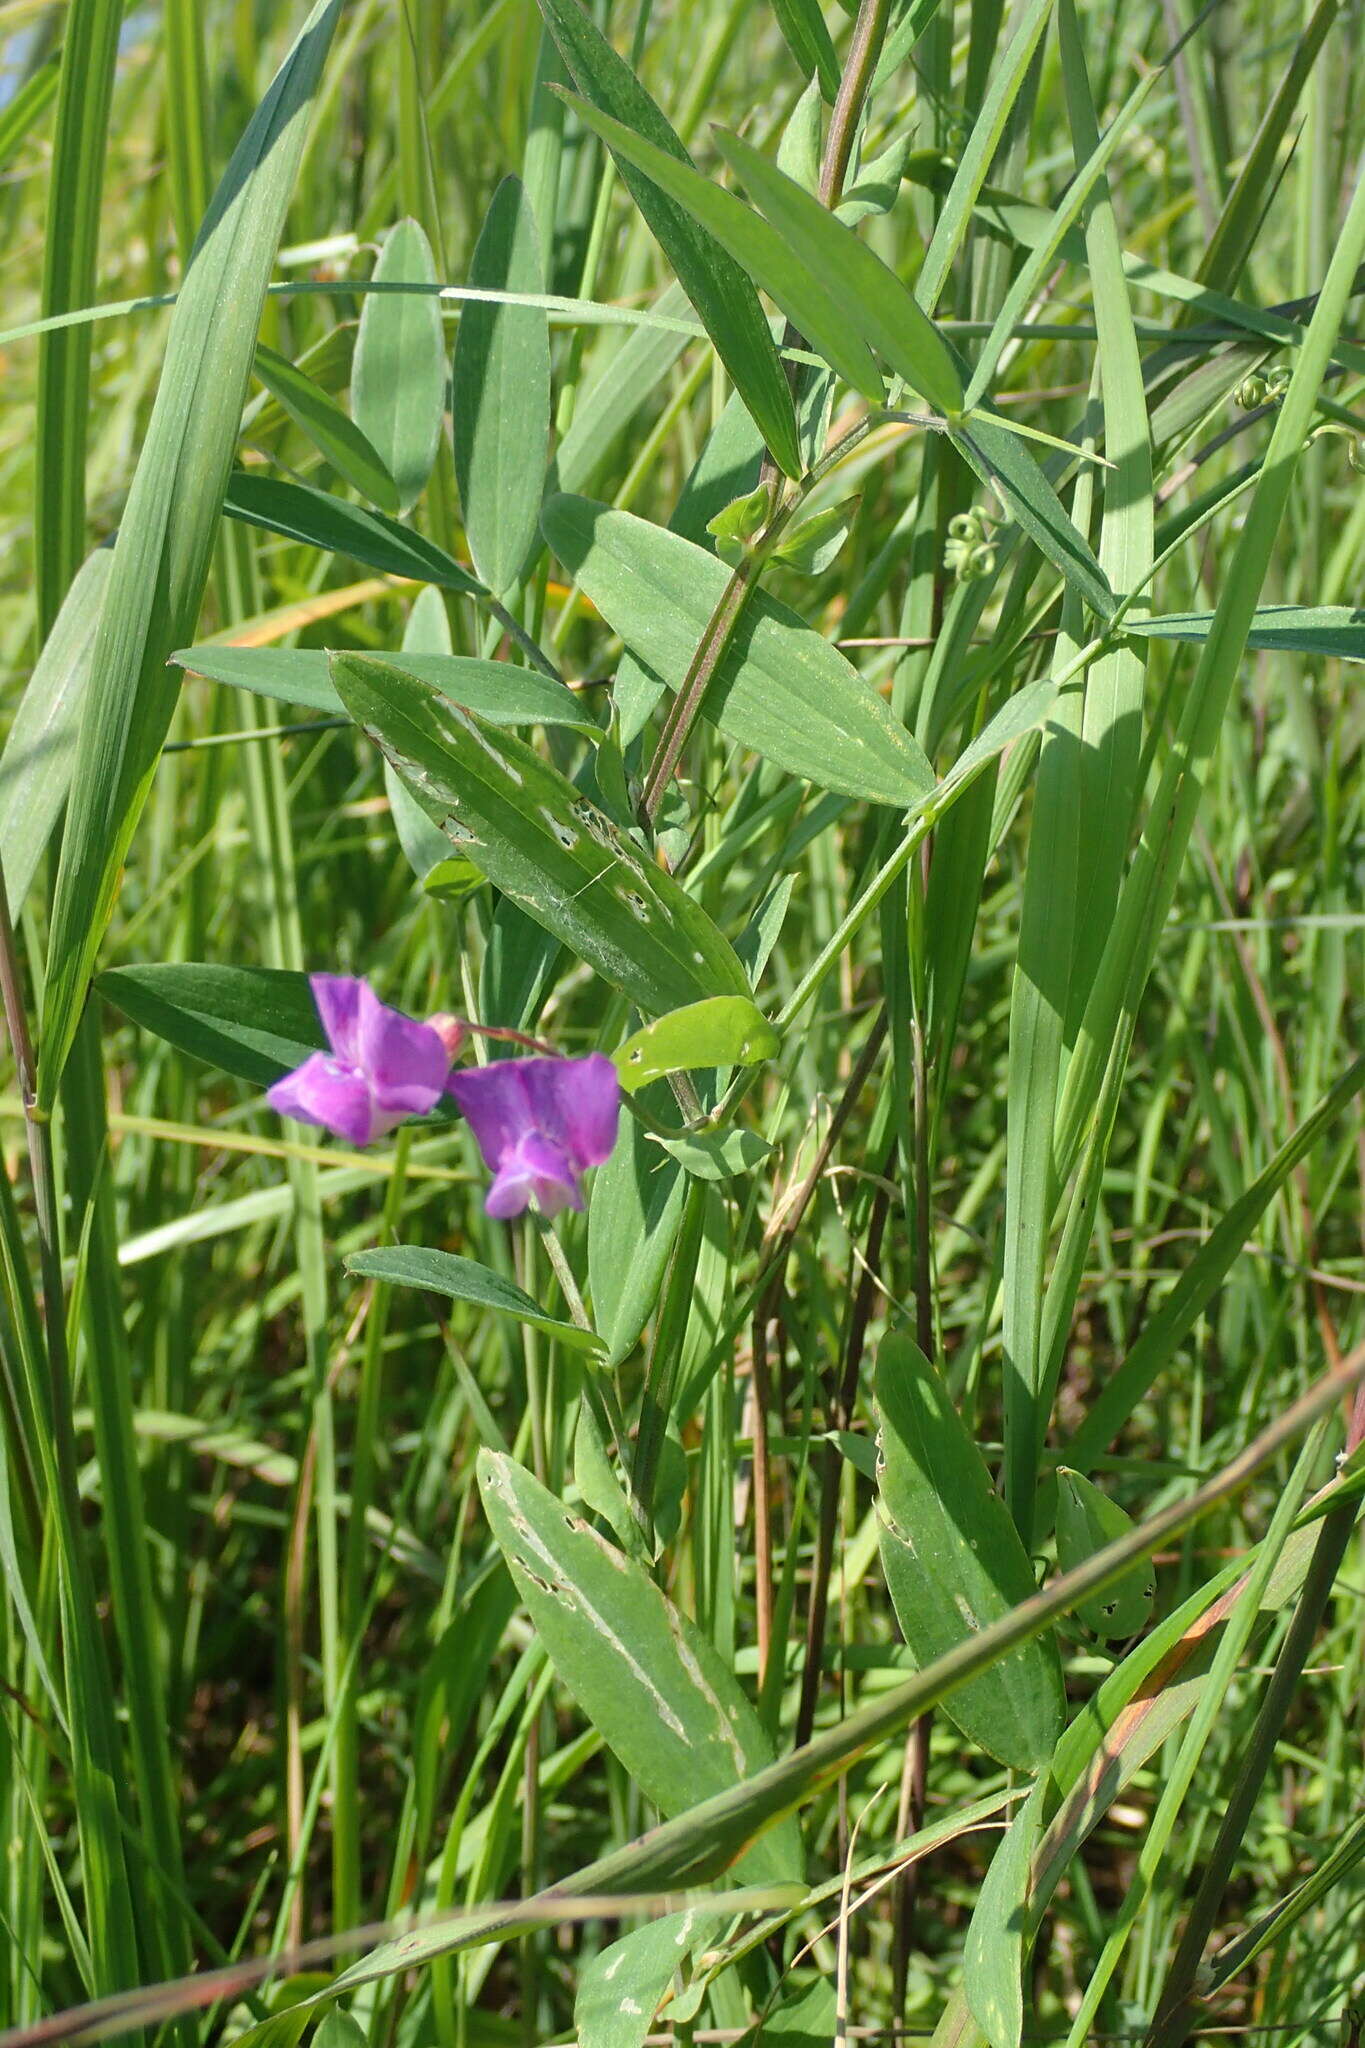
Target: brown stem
[(868, 32), (778, 1239), (863, 52), (842, 1406)]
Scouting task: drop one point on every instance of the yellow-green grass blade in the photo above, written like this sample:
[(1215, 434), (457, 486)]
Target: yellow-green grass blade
[(169, 526)]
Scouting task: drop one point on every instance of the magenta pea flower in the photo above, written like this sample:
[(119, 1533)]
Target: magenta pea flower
[(540, 1124), (382, 1066)]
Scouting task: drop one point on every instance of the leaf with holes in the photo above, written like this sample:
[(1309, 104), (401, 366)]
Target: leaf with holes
[(726, 1031), (542, 843), (651, 1684), (1086, 1520)]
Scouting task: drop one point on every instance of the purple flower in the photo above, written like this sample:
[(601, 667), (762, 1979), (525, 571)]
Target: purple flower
[(540, 1124), (382, 1066)]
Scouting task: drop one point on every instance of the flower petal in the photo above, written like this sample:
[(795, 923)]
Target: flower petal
[(494, 1102), (404, 1062), (578, 1104), (324, 1092), (535, 1167), (338, 1004)]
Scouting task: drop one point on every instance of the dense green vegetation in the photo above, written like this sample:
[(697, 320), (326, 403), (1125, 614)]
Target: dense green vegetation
[(899, 570)]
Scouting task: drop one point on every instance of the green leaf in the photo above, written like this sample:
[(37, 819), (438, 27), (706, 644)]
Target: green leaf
[(1086, 1520), (725, 300), (634, 1213), (501, 394), (872, 299), (1001, 460), (800, 292), (1336, 630), (954, 1563), (169, 525), (398, 383), (255, 1022), (651, 1684), (620, 1989), (718, 1155), (726, 1031), (428, 851), (35, 767), (809, 40), (497, 690), (811, 547), (407, 1265), (993, 1958), (541, 842), (322, 521), (349, 450), (780, 688)]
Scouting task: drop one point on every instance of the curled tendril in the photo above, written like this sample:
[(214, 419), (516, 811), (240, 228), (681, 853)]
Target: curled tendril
[(1263, 388), (968, 553)]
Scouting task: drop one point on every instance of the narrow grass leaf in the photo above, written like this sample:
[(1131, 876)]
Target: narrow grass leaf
[(398, 381), (166, 537), (1334, 630), (35, 766), (501, 394), (725, 300), (634, 1213), (993, 1955)]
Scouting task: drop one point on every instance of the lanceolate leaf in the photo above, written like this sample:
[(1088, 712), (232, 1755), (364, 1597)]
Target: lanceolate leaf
[(322, 521), (870, 296), (501, 394), (255, 1022), (398, 384), (410, 1265), (166, 537), (648, 1680), (1001, 460), (349, 450), (953, 1560), (798, 289), (498, 691), (726, 301), (780, 689), (1326, 629), (541, 843)]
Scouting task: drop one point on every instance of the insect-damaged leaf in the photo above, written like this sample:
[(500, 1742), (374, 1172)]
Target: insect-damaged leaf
[(542, 843), (954, 1562), (1086, 1520), (651, 1684), (726, 1031)]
